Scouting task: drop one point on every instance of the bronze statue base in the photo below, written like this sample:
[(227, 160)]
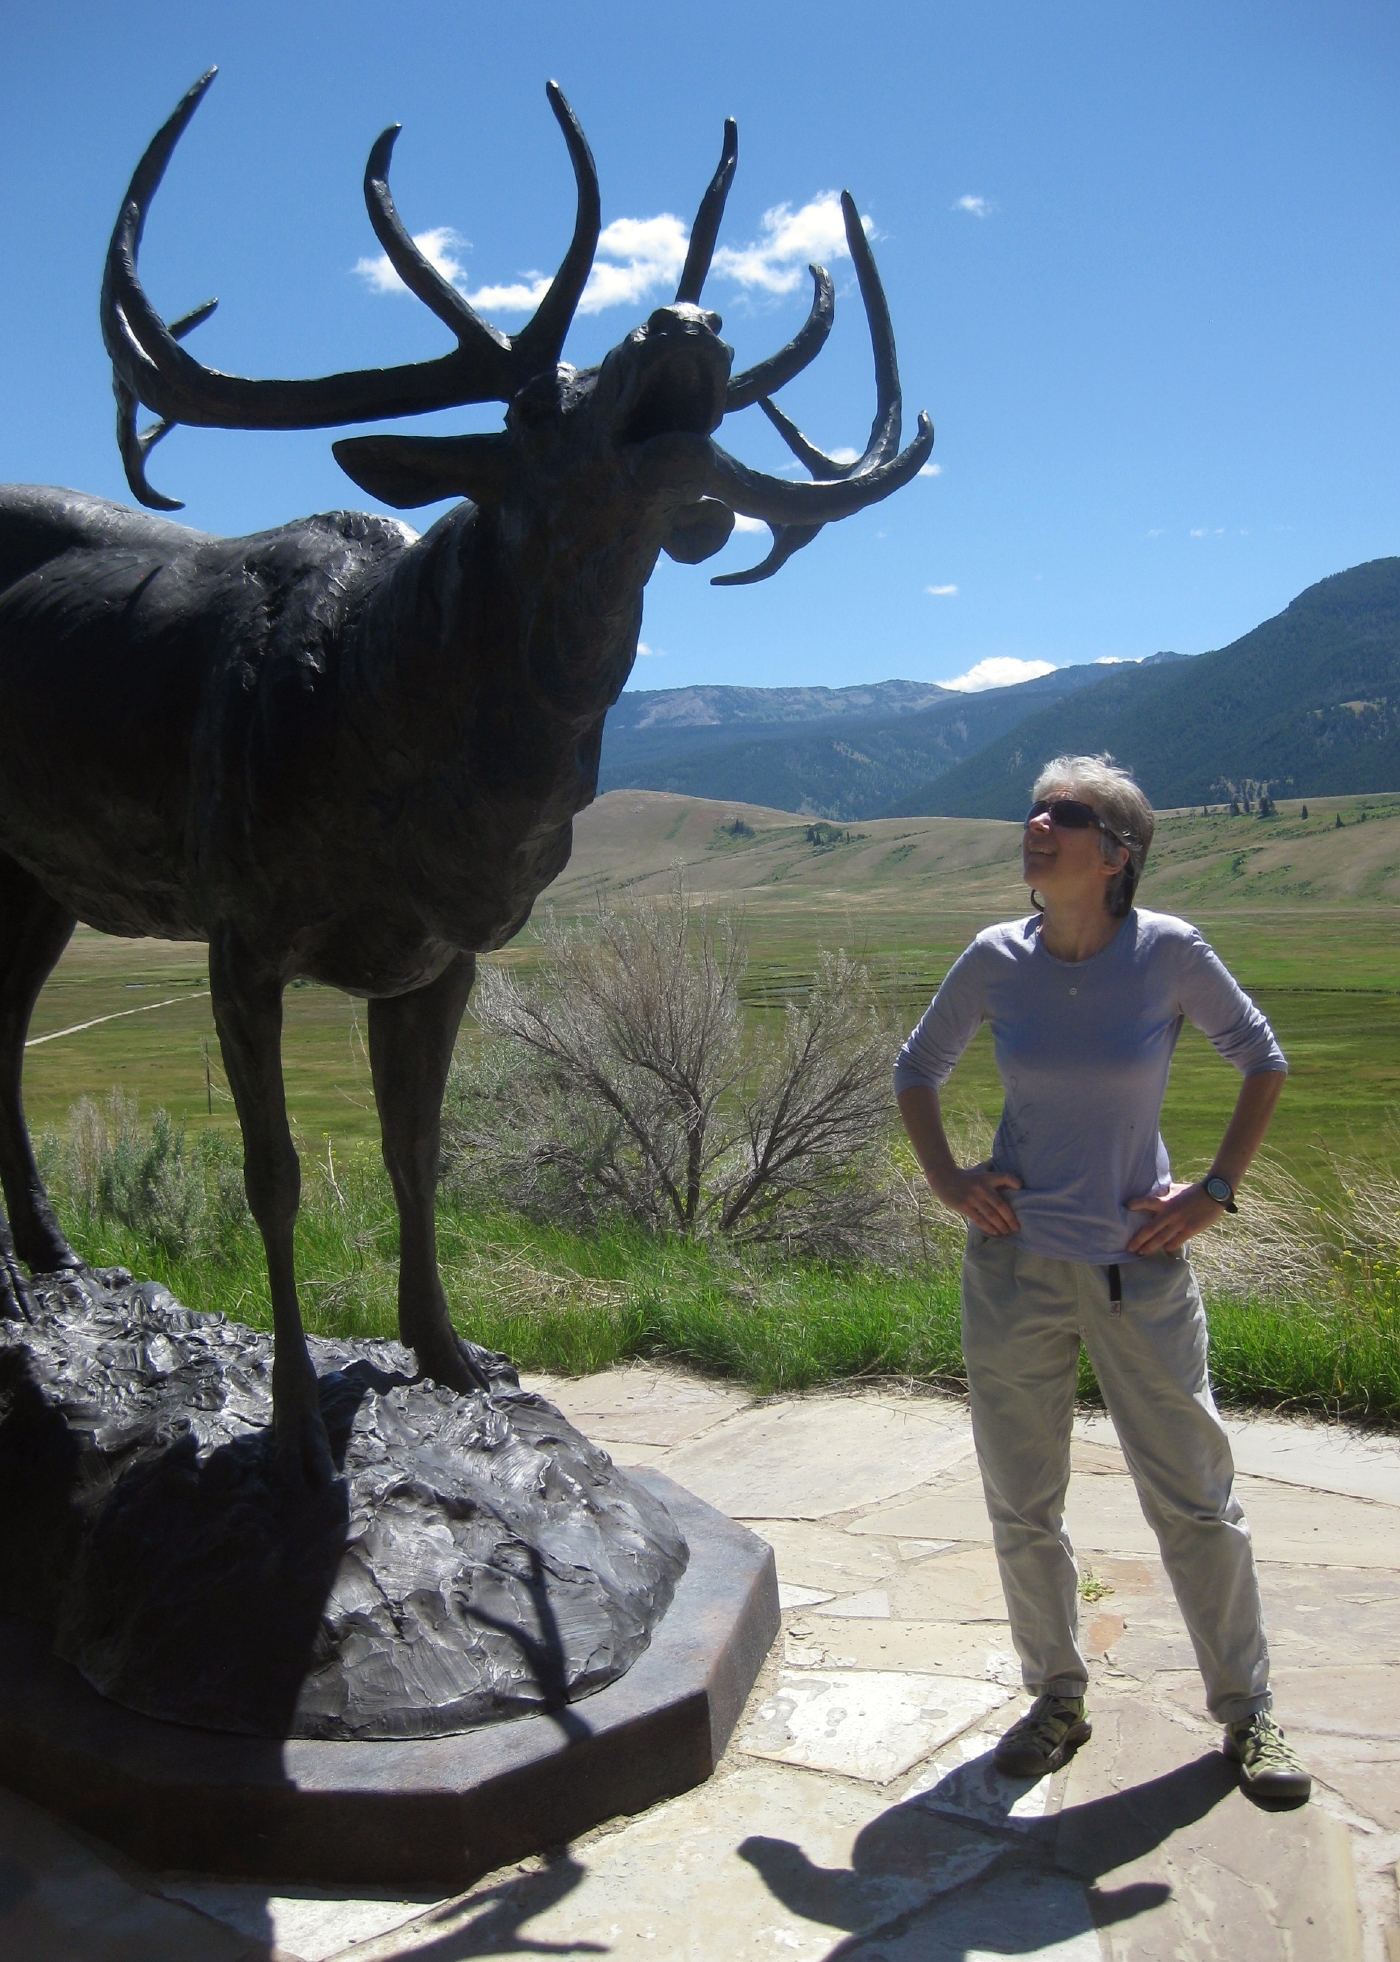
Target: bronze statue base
[(429, 1814), (475, 1560)]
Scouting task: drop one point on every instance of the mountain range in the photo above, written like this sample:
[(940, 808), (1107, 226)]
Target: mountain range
[(1307, 704)]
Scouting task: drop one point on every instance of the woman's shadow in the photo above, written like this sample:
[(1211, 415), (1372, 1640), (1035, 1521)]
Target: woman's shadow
[(1012, 1885)]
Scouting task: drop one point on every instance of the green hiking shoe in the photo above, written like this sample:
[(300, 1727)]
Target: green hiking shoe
[(1049, 1734), (1269, 1766)]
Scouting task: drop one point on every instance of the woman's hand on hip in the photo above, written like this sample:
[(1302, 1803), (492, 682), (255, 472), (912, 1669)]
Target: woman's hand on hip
[(1176, 1218), (977, 1195)]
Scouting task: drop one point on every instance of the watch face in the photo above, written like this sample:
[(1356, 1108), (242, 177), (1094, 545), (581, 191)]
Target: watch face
[(1219, 1190)]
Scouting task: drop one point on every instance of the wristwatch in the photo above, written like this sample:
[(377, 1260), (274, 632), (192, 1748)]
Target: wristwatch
[(1221, 1191)]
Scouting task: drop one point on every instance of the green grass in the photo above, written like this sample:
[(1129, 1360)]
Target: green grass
[(1311, 927), (572, 1304), (1305, 914)]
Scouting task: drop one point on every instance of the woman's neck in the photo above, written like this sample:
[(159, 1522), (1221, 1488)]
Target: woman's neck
[(1077, 931)]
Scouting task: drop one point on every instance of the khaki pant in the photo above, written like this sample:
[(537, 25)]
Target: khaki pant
[(1023, 1318)]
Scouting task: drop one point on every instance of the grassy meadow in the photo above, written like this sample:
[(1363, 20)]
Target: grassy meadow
[(1307, 914)]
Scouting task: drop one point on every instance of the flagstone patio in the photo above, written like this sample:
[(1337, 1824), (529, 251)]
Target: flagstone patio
[(856, 1813)]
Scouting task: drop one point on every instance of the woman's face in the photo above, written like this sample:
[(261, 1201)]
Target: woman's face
[(1064, 864)]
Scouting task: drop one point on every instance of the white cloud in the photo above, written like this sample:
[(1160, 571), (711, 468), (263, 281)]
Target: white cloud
[(998, 671), (521, 296), (1155, 531), (978, 207), (636, 257), (439, 248), (741, 523), (639, 258), (1117, 660), (1199, 533), (777, 262), (650, 653), (942, 592), (931, 470)]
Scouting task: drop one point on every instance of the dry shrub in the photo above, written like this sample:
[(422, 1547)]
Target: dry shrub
[(109, 1166), (619, 1080), (1281, 1244)]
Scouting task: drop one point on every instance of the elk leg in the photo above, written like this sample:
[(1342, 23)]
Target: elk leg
[(247, 1003), (34, 930), (410, 1049)]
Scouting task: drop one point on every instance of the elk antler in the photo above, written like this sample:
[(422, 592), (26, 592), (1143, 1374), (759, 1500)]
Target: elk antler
[(797, 512), (705, 230), (150, 366), (771, 374)]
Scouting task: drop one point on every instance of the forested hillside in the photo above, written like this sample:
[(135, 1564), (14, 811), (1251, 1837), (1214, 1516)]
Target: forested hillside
[(790, 749), (1308, 703)]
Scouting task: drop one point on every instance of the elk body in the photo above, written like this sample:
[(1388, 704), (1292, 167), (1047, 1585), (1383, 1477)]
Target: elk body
[(340, 751)]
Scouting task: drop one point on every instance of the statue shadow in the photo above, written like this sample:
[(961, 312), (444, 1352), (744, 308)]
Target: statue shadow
[(201, 1575), (498, 1928), (1040, 1886), (197, 1591)]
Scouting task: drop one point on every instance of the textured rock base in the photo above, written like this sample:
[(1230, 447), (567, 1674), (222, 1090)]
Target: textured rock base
[(428, 1814), (478, 1558)]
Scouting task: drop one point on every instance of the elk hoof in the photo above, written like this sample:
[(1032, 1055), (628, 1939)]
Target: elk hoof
[(465, 1366)]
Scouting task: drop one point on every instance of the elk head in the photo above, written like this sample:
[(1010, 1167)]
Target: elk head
[(643, 420)]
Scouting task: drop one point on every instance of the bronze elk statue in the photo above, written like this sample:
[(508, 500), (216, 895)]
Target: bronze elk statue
[(341, 751)]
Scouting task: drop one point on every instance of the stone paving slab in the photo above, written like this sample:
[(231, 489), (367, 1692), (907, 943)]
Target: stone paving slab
[(641, 1405), (1293, 1450), (815, 1641), (1102, 1512), (872, 1724), (1289, 1524), (962, 1781), (1319, 1528), (824, 1557), (1142, 1850), (61, 1901), (1015, 1913), (808, 1458), (310, 1924), (963, 1585), (1181, 1865), (765, 1860)]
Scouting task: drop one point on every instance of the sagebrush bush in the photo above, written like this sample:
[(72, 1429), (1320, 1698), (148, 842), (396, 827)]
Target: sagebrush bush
[(618, 1080), (182, 1200), (1303, 1299)]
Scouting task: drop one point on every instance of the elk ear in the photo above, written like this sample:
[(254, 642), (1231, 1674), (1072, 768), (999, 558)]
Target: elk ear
[(406, 471), (700, 530)]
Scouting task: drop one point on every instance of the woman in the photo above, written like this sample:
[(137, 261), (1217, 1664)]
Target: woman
[(1076, 1233)]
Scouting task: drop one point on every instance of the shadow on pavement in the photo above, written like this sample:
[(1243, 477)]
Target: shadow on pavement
[(1039, 1887), (497, 1930)]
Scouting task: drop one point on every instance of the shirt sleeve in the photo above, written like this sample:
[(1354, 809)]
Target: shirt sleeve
[(1214, 1001), (949, 1023)]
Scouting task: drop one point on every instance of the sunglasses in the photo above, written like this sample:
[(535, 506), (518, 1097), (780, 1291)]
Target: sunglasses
[(1068, 814)]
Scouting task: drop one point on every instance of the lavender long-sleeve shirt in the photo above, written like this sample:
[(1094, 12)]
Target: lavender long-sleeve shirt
[(1083, 1049)]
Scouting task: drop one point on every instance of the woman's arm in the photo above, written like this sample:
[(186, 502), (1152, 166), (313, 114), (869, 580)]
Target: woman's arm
[(975, 1194), (1188, 1210)]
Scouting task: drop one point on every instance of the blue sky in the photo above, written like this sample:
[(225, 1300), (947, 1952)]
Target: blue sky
[(1143, 263)]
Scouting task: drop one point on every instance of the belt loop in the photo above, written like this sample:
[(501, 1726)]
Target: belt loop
[(1115, 1289)]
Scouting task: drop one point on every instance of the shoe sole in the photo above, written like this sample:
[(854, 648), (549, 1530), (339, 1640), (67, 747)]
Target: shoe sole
[(1038, 1767), (1269, 1784)]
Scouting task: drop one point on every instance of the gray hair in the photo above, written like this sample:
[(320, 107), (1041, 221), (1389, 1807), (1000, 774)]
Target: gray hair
[(1098, 781)]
